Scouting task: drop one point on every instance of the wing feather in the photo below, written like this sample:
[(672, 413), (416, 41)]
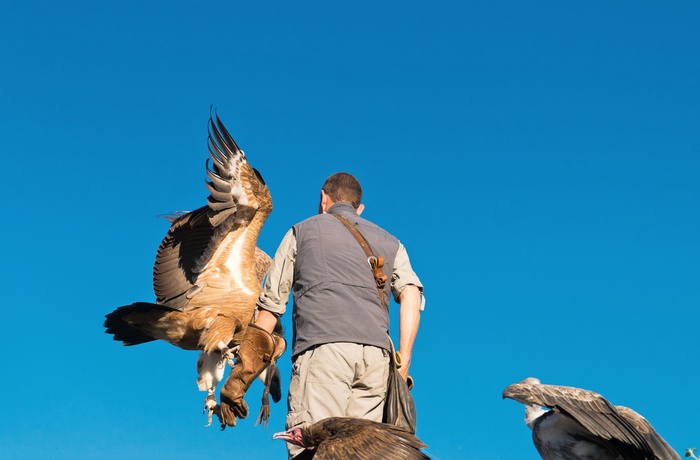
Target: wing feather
[(179, 259), (174, 272), (662, 449), (227, 170)]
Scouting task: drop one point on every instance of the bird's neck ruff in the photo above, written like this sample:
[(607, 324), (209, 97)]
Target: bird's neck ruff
[(532, 413)]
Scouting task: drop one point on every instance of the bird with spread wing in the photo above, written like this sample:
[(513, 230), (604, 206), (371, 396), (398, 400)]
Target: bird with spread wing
[(579, 424), (208, 274)]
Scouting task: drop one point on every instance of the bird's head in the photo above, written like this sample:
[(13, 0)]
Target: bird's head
[(521, 392), (293, 436), (515, 390)]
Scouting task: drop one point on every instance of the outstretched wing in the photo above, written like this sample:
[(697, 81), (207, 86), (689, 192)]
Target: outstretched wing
[(591, 410), (200, 242)]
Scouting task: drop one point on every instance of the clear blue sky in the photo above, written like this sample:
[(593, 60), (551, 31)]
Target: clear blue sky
[(539, 160)]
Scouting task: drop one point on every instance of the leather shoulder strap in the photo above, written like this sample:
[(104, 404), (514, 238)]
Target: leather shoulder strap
[(375, 262)]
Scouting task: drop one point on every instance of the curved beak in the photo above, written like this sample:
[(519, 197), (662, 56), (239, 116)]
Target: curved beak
[(284, 436)]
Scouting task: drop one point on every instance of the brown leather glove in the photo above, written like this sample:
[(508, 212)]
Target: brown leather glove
[(258, 350)]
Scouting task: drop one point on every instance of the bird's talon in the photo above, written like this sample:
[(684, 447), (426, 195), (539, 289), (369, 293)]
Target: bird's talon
[(210, 406), (224, 353), (227, 356)]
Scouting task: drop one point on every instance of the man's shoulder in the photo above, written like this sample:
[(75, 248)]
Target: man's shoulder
[(376, 229), (313, 218)]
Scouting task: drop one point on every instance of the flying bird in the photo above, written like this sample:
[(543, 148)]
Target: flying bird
[(208, 271), (580, 424), (347, 438)]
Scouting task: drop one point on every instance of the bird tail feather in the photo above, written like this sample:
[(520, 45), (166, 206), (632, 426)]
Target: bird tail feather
[(117, 325)]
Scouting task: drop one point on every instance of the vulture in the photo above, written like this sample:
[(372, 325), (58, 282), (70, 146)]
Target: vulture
[(580, 425), (350, 438), (208, 271)]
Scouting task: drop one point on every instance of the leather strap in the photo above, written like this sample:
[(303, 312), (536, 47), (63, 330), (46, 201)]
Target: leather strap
[(375, 262)]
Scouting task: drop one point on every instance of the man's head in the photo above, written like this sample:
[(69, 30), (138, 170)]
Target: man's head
[(341, 187)]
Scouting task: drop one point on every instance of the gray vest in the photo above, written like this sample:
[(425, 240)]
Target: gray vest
[(335, 296)]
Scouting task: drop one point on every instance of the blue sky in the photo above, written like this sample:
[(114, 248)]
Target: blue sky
[(539, 160)]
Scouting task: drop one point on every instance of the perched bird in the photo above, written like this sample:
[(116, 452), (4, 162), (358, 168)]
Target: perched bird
[(208, 271), (346, 438), (580, 425)]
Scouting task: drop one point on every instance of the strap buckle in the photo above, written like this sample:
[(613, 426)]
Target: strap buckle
[(376, 263)]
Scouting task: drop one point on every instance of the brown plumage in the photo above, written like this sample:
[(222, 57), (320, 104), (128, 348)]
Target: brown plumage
[(581, 424), (349, 438), (208, 270)]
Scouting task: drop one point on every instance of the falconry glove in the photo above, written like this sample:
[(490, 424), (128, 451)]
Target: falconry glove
[(259, 349)]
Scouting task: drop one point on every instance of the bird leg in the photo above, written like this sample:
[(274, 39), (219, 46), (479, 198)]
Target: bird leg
[(210, 406), (210, 367), (228, 355)]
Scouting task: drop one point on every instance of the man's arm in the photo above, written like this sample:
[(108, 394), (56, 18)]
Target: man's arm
[(278, 284), (409, 319), (273, 299), (266, 320)]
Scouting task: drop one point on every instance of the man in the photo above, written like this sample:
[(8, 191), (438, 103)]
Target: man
[(340, 346)]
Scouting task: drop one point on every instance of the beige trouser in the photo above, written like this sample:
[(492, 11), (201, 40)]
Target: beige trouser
[(337, 380)]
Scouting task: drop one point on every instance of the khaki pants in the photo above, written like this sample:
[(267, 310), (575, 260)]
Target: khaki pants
[(337, 380)]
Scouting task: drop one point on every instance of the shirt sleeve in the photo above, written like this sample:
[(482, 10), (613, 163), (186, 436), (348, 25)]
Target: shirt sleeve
[(403, 274), (280, 275)]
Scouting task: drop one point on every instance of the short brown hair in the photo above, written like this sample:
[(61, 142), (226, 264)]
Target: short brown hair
[(343, 187)]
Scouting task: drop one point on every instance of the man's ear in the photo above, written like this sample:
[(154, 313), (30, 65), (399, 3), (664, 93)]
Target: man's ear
[(360, 208), (325, 203)]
